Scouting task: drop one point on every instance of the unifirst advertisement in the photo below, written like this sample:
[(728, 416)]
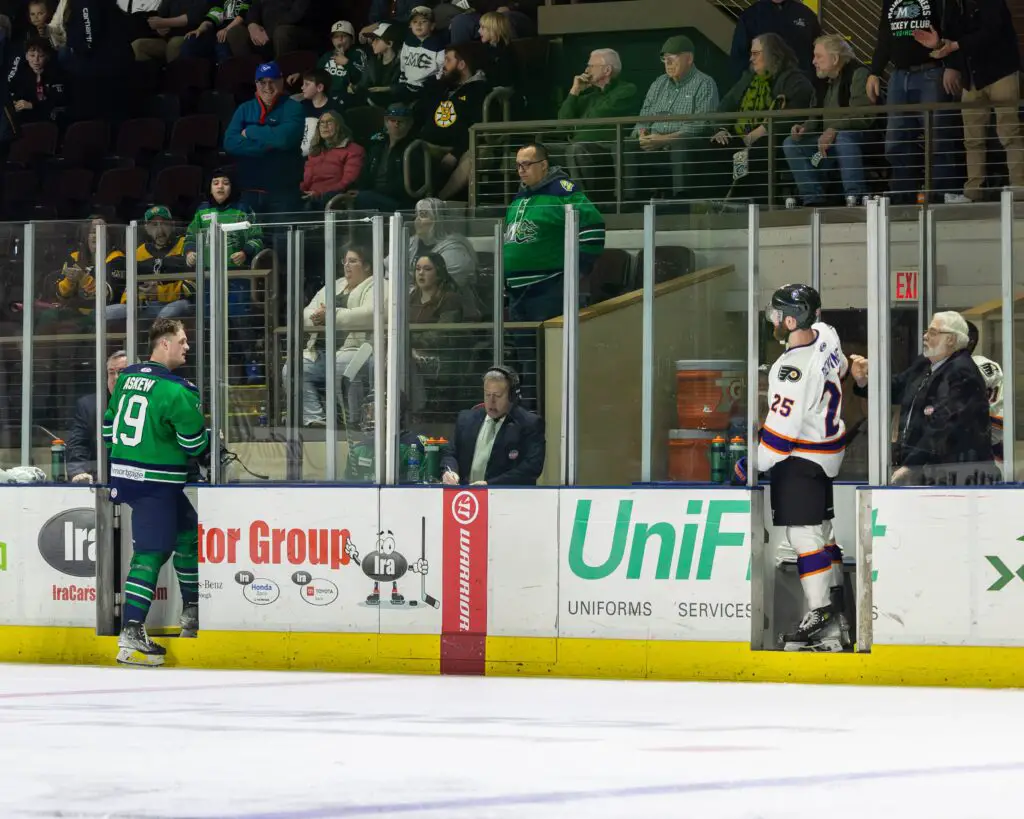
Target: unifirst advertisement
[(48, 556), (654, 564), (949, 566)]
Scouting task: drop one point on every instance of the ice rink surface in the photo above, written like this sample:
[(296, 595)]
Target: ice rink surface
[(114, 742)]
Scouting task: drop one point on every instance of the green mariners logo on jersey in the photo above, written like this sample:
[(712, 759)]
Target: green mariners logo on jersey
[(521, 233), (153, 424)]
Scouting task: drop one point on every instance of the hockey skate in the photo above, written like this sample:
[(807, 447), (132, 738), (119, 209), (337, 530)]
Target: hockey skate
[(397, 598), (137, 649), (838, 604), (819, 631), (189, 621)]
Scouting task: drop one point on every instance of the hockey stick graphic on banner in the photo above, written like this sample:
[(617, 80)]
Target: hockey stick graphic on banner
[(430, 601)]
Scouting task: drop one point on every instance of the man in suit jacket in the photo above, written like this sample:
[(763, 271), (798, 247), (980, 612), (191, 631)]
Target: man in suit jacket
[(81, 449), (499, 443)]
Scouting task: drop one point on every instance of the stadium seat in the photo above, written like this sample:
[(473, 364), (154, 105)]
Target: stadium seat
[(178, 187), (610, 276), (86, 143), (20, 189), (297, 62), (140, 139), (365, 121), (69, 192), (670, 262), (187, 77), (236, 77), (121, 189), (38, 140), (218, 103), (195, 136), (166, 107)]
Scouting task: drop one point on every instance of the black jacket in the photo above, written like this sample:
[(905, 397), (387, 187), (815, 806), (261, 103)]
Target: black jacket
[(81, 446), (944, 416), (517, 457), (895, 42), (791, 20), (988, 43), (453, 112), (53, 88), (392, 183)]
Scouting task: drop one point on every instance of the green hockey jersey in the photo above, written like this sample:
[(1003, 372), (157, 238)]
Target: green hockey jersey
[(153, 424)]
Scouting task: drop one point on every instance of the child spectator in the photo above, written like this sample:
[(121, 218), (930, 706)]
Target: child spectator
[(315, 103), (243, 245), (345, 63), (422, 55), (39, 19), (383, 68), (209, 41), (500, 62), (334, 163), (38, 87)]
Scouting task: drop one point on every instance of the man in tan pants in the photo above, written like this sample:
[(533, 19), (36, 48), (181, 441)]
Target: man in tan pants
[(986, 48)]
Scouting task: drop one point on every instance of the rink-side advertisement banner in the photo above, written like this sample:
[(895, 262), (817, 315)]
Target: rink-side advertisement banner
[(949, 567), (48, 556), (654, 564)]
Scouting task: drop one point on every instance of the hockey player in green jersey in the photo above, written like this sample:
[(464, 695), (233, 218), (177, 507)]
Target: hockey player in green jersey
[(153, 426)]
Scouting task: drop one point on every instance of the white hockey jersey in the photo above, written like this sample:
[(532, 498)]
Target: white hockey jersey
[(805, 404), (993, 375)]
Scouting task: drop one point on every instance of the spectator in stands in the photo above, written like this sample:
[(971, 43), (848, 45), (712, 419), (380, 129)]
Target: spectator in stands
[(464, 27), (209, 40), (773, 81), (39, 19), (813, 148), (990, 54), (101, 61), (223, 202), (8, 119), (382, 184), (793, 21), (38, 86), (169, 27), (596, 93), (264, 137), (422, 57), (276, 26), (434, 234), (659, 150), (316, 102), (163, 251), (500, 63), (435, 298), (945, 433), (354, 318), (499, 443), (917, 78), (383, 69), (81, 448), (76, 287), (534, 248), (457, 107), (345, 63), (387, 11), (334, 163)]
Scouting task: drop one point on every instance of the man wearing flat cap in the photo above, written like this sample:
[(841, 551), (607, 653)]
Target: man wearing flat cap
[(658, 150)]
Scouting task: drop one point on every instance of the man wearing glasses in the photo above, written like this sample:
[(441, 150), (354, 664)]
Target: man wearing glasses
[(684, 90), (944, 428)]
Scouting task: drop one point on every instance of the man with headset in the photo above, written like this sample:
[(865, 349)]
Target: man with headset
[(498, 442)]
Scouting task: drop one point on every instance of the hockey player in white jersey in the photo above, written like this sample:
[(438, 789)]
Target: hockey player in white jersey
[(802, 442), (993, 375)]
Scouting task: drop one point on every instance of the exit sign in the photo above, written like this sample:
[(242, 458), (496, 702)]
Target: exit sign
[(905, 285)]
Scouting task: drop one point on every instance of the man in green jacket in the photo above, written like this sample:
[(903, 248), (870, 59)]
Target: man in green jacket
[(813, 148), (599, 92), (534, 247)]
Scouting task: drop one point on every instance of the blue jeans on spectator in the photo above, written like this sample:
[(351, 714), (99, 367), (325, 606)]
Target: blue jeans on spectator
[(845, 151), (151, 310), (206, 47), (904, 138)]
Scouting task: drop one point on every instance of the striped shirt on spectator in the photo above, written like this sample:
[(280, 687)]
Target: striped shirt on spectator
[(696, 93)]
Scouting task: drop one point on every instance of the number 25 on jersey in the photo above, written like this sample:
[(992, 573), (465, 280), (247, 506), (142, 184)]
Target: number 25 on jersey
[(131, 417)]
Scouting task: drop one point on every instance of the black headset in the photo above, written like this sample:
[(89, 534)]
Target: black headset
[(514, 390)]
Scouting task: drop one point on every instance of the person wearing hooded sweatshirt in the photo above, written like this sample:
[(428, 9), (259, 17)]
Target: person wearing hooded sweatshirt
[(422, 56), (534, 248), (458, 106), (434, 234), (37, 84), (243, 245), (264, 136)]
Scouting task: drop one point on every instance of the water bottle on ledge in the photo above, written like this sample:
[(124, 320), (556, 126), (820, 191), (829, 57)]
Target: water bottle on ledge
[(58, 462)]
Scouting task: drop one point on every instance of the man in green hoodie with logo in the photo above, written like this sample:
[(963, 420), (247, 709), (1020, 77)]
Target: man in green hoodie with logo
[(534, 249)]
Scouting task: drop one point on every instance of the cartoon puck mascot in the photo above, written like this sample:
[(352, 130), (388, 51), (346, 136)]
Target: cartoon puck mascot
[(801, 443), (993, 375), (386, 564)]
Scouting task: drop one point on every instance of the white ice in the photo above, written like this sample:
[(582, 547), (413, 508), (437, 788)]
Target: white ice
[(112, 742)]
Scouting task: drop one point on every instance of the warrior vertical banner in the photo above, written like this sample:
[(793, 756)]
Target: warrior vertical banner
[(464, 597)]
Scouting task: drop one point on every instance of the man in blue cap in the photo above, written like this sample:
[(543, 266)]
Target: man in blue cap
[(264, 137)]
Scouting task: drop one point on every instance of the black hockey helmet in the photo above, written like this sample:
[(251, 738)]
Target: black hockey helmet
[(801, 301)]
